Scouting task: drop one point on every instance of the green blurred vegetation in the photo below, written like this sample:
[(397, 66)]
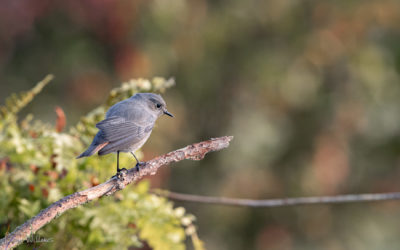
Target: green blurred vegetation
[(38, 167), (310, 90)]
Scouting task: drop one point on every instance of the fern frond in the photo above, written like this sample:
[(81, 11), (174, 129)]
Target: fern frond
[(133, 86), (16, 102)]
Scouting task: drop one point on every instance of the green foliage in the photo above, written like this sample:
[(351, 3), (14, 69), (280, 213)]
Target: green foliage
[(38, 167), (16, 102)]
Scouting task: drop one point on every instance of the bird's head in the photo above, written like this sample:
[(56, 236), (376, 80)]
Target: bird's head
[(155, 103)]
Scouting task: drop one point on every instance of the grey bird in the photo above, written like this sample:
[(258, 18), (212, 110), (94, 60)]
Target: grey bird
[(127, 126)]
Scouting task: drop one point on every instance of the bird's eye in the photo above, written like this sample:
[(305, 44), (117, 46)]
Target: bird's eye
[(158, 105)]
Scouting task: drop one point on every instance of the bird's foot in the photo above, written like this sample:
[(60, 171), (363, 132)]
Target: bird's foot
[(139, 164), (121, 173)]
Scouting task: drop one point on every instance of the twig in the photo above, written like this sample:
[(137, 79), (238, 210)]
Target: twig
[(349, 198), (194, 152)]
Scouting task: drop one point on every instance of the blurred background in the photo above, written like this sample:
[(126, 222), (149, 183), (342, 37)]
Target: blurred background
[(310, 90)]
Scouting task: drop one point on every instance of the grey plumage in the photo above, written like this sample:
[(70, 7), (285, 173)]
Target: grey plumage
[(127, 125)]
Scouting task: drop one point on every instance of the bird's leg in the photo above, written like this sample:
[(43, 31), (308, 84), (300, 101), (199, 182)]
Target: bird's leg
[(138, 163), (118, 162), (120, 171)]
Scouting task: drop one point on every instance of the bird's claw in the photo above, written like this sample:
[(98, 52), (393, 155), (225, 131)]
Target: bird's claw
[(121, 173), (139, 164)]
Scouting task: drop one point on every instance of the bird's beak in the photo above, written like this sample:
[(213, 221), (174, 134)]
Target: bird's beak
[(168, 113)]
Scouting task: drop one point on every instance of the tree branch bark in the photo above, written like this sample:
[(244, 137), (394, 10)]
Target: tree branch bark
[(348, 198), (193, 152)]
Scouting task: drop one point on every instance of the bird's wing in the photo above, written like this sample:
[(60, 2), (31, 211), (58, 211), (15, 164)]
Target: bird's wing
[(116, 129)]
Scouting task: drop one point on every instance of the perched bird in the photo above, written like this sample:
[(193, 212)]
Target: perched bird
[(127, 126)]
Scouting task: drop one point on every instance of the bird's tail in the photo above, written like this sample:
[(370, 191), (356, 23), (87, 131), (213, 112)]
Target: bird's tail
[(92, 150)]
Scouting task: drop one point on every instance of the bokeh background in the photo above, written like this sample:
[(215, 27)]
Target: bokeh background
[(310, 90)]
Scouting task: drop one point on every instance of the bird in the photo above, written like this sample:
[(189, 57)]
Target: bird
[(127, 126)]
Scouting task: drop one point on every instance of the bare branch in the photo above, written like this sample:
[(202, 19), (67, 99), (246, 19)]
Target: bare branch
[(349, 198), (194, 152)]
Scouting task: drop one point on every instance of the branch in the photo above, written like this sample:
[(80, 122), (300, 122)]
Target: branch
[(194, 152), (349, 198)]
